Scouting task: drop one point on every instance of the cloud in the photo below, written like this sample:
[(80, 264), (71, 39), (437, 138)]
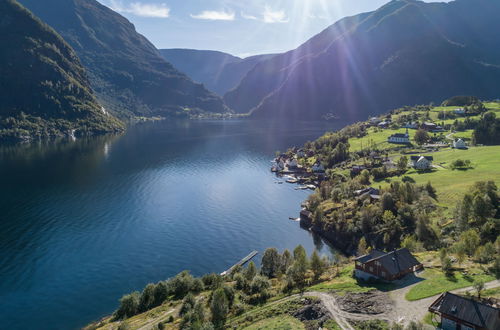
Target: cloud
[(214, 15), (247, 16), (141, 9), (274, 16)]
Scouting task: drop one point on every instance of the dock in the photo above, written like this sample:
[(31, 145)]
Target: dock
[(240, 263)]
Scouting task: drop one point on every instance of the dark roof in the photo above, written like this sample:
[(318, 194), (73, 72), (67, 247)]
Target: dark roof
[(430, 158), (400, 135), (468, 310), (372, 255), (394, 262)]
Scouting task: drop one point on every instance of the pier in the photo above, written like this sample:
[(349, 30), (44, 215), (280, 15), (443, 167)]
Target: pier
[(240, 263)]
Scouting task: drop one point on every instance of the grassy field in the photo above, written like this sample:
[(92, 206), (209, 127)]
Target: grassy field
[(451, 185), (346, 283), (275, 323), (491, 293), (436, 282)]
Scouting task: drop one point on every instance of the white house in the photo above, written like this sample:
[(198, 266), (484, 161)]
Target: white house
[(412, 125), (318, 167), (459, 111), (421, 162), (459, 144), (399, 138)]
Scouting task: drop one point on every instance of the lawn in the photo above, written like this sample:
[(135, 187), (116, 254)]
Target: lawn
[(436, 282), (376, 137), (451, 185), (346, 283), (275, 323)]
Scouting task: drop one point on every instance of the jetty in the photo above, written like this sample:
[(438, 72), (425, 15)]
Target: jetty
[(240, 263)]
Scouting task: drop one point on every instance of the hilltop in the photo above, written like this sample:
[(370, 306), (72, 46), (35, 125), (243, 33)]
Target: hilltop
[(35, 60), (127, 73), (406, 52)]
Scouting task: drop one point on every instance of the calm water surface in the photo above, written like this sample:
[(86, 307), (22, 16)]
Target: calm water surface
[(82, 223)]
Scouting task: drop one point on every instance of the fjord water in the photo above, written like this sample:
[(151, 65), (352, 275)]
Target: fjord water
[(84, 222)]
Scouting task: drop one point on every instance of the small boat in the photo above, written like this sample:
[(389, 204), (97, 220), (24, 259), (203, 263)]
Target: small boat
[(311, 186), (294, 219), (292, 180), (301, 188)]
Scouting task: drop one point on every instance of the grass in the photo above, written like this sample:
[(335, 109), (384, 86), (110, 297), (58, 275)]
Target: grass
[(451, 185), (346, 283), (436, 282), (491, 293), (375, 137), (275, 323), (430, 319), (331, 325)]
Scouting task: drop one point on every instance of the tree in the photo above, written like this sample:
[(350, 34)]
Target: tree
[(129, 306), (430, 190), (299, 253), (447, 266), (470, 239), (219, 308), (421, 136), (387, 202), (364, 177), (362, 246), (271, 262), (187, 304), (478, 287), (317, 265), (147, 300), (251, 271), (286, 261), (402, 164)]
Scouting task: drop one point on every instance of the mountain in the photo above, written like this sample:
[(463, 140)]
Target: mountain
[(126, 71), (406, 52), (44, 88), (218, 71)]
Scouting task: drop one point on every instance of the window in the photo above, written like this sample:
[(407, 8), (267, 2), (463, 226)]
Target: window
[(371, 269), (383, 274)]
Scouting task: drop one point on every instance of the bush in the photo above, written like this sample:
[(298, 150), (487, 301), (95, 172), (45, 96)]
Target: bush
[(460, 164)]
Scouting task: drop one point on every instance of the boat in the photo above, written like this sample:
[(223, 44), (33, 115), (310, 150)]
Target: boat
[(292, 180)]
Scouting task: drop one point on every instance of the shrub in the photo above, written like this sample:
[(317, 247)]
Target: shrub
[(129, 306)]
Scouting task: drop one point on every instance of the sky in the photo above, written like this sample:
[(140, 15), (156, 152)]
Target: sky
[(238, 27)]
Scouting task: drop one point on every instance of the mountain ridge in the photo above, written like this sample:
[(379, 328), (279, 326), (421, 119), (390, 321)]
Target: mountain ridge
[(370, 65), (126, 71), (38, 61)]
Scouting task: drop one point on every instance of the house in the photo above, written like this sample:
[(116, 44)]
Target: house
[(318, 167), (369, 190), (437, 129), (459, 144), (429, 126), (306, 218), (399, 138), (384, 124), (386, 266), (374, 121), (459, 111), (421, 162), (356, 169), (301, 153), (459, 312), (412, 125)]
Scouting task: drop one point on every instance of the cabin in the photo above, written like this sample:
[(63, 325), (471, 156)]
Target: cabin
[(459, 144), (318, 167), (399, 138), (369, 190), (458, 312), (459, 111), (301, 153), (421, 162), (306, 218), (386, 266)]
